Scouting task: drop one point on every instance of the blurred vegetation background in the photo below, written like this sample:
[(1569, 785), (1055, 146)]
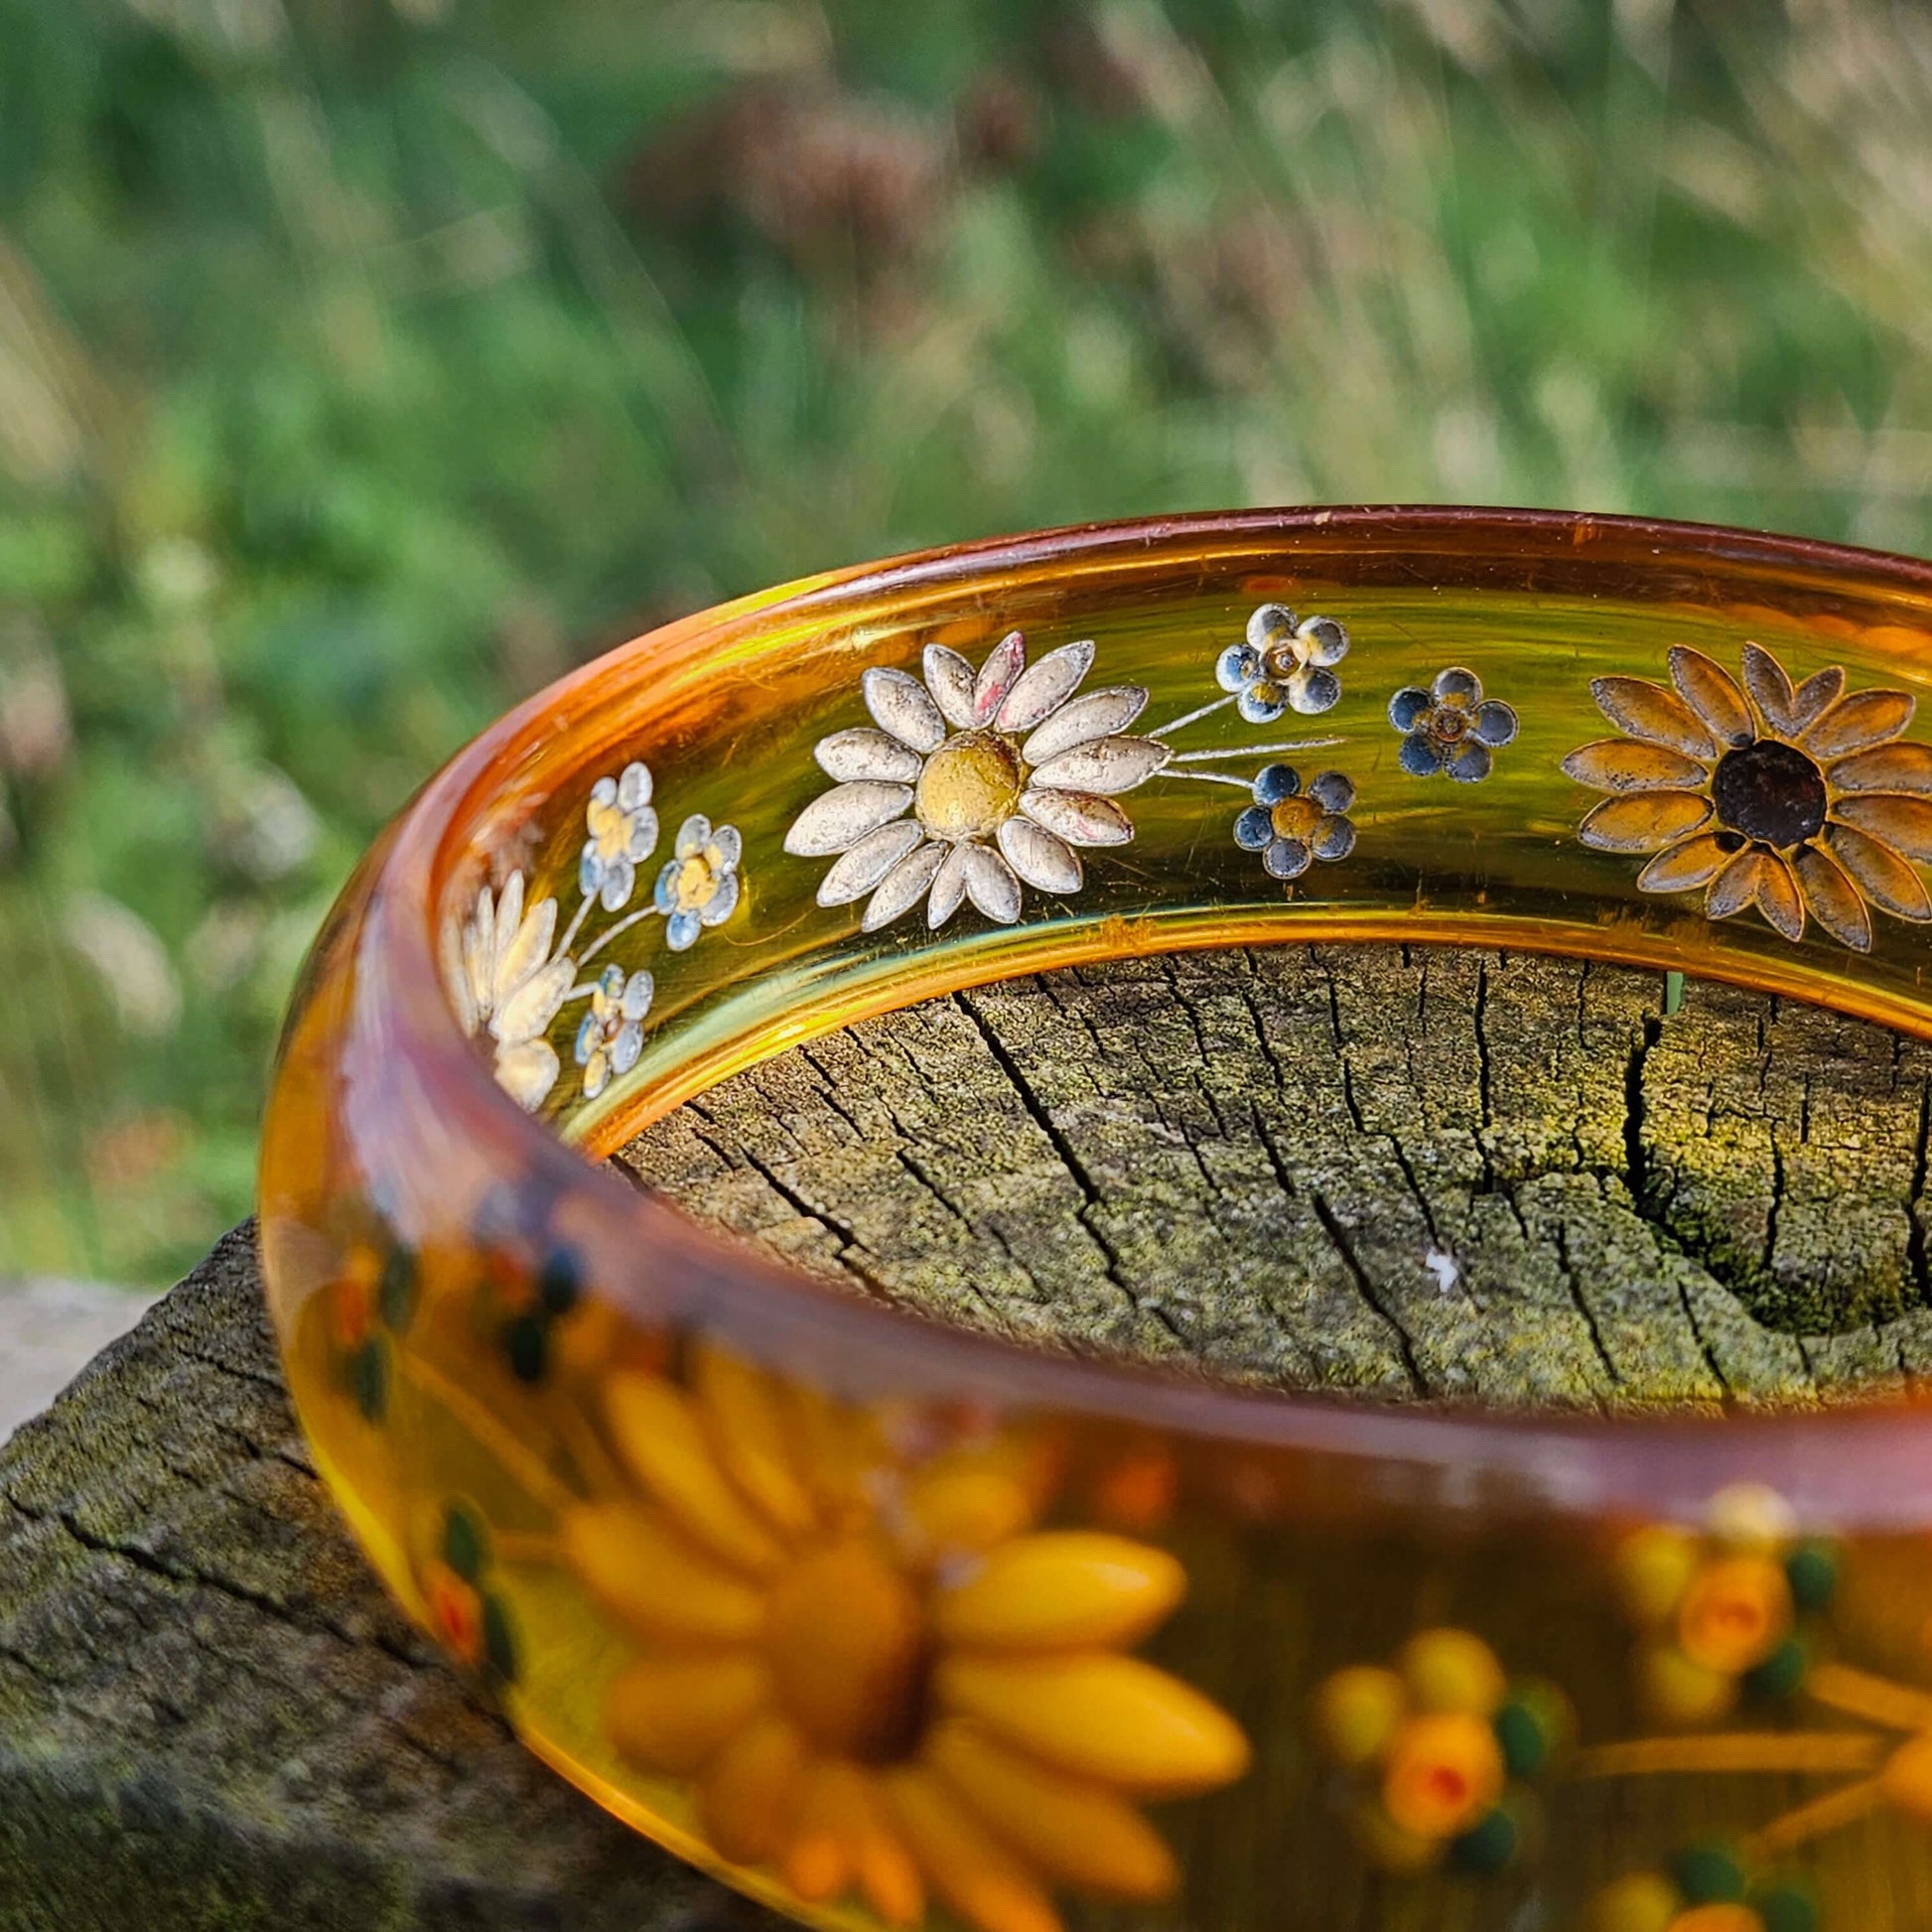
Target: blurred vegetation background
[(364, 363)]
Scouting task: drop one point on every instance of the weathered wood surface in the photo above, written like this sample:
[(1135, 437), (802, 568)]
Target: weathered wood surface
[(212, 1716), (1441, 1174), (1407, 1171)]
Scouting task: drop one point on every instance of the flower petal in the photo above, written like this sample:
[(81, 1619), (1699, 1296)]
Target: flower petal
[(750, 1791), (1649, 712), (613, 888), (989, 882), (904, 887), (1070, 1832), (1885, 767), (1832, 897), (1079, 817), (863, 753), (693, 836), (670, 1713), (1692, 862), (1456, 685), (902, 705), (1285, 858), (1409, 707), (1494, 724), (1270, 626), (1816, 691), (1745, 880), (867, 863), (451, 958), (641, 824), (1099, 713), (1903, 823), (661, 1438), (1864, 718), (529, 1009), (838, 819), (1334, 839), (1313, 690), (1642, 821), (723, 902), (653, 1581), (1104, 765), (1778, 898), (1469, 763), (1712, 692), (1627, 765), (1770, 689), (1419, 756), (633, 787), (528, 943), (998, 675), (1115, 1720), (948, 888), (950, 679), (1334, 791), (1040, 859), (1059, 1590), (1322, 640), (1881, 875), (527, 1072), (987, 1885), (1044, 687)]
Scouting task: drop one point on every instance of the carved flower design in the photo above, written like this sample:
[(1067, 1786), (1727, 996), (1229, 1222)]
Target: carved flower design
[(877, 1675), (1452, 727), (1720, 1614), (1284, 664), (610, 1035), (1004, 774), (622, 831), (1434, 1746), (372, 1300), (1793, 800), (1292, 828), (1707, 1888), (497, 968), (468, 1617), (697, 887)]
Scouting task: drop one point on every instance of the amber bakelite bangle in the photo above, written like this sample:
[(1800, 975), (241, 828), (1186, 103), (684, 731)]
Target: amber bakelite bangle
[(888, 1623)]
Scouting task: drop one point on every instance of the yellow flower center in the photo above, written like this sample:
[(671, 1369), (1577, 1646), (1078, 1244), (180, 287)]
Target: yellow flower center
[(1295, 818), (694, 883), (608, 830), (846, 1639), (970, 786)]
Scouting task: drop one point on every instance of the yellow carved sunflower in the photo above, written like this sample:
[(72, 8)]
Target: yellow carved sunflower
[(1795, 800), (876, 1674)]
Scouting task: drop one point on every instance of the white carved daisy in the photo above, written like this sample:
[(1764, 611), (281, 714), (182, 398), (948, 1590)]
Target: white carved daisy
[(974, 784), (502, 981)]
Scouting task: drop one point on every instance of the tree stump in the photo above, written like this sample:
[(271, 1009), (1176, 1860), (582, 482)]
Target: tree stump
[(1409, 1174)]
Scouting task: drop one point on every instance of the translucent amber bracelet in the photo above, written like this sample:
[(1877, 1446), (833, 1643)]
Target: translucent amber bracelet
[(887, 1623)]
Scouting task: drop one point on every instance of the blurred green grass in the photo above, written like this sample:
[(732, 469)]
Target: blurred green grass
[(363, 364)]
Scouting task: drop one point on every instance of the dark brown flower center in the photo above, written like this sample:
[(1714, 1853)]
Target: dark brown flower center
[(1770, 793)]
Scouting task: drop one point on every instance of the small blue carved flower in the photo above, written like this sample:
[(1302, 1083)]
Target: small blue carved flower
[(1289, 827), (623, 835), (1284, 665), (1451, 727), (611, 1035), (698, 887)]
